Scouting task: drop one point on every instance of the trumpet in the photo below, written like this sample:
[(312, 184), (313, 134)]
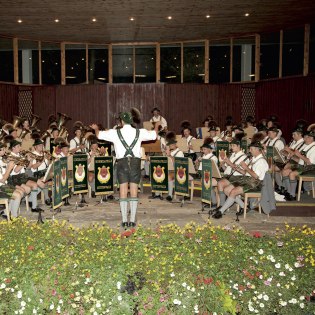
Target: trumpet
[(18, 160), (24, 133)]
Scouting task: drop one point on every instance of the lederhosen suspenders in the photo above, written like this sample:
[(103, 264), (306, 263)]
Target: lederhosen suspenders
[(299, 146), (232, 171), (305, 152), (126, 146)]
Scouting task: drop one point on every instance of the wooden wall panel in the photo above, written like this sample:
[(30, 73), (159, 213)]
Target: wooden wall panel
[(8, 101)]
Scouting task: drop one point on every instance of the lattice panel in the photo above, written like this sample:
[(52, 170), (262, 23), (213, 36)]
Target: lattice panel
[(25, 103), (248, 101)]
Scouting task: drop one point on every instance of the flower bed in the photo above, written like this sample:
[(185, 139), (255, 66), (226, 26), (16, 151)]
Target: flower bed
[(58, 269)]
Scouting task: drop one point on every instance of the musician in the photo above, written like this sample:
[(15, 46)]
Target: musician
[(227, 134), (15, 194), (78, 143), (157, 117), (213, 134), (39, 167), (64, 150), (274, 140), (10, 130), (186, 133), (172, 151), (230, 165), (127, 142), (306, 164), (263, 130), (254, 174), (50, 140), (16, 175)]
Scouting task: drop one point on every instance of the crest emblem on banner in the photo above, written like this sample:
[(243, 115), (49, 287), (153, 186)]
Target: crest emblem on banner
[(103, 174), (159, 174), (206, 179), (181, 175), (57, 183), (63, 176), (79, 173)]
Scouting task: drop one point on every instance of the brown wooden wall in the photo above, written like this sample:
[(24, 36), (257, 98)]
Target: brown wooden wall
[(8, 101)]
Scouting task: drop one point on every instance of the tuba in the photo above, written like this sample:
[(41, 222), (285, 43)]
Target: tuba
[(62, 120), (24, 133), (16, 121), (45, 135), (35, 120)]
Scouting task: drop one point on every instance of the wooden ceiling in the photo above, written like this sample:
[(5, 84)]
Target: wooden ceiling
[(150, 23)]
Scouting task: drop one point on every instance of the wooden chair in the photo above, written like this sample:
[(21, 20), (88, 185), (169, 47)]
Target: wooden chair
[(5, 202), (302, 179), (255, 194)]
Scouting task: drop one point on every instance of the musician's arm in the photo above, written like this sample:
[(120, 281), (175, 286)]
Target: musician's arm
[(8, 172)]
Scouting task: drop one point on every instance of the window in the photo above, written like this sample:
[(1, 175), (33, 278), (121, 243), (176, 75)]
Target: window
[(51, 63), (6, 60), (312, 49), (98, 64), (145, 64), (75, 64), (194, 62), (171, 63), (122, 64), (219, 62)]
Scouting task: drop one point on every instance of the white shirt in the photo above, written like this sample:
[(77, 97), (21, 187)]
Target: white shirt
[(260, 166), (265, 140), (3, 168), (276, 143), (189, 139), (177, 153), (216, 139), (22, 171), (161, 119), (129, 134), (310, 149), (239, 156), (75, 143), (209, 156), (297, 144), (41, 167)]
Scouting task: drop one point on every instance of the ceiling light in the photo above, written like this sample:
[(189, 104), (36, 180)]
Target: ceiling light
[(101, 79), (57, 20), (169, 17), (140, 75), (246, 14), (208, 16), (170, 77), (94, 20), (19, 21), (71, 77), (251, 75), (132, 19)]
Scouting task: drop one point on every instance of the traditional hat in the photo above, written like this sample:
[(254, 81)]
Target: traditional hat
[(238, 138), (256, 144), (38, 142), (63, 145), (310, 134), (274, 129), (170, 138), (299, 130), (262, 127), (213, 128), (14, 143), (208, 143), (155, 109)]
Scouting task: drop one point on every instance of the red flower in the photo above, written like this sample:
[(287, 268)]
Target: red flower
[(53, 292), (113, 236), (207, 280), (7, 280), (257, 234), (189, 235), (30, 247), (126, 233), (214, 237), (133, 230), (87, 275), (71, 296)]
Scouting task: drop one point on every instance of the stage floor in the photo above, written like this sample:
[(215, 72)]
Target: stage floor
[(155, 212)]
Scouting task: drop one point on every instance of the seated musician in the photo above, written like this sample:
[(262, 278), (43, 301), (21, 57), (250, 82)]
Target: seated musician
[(64, 149), (78, 143), (226, 135), (50, 140), (15, 194), (254, 173), (171, 151), (157, 117), (213, 134), (263, 130), (16, 175), (39, 165), (231, 165), (186, 134), (9, 130), (306, 163)]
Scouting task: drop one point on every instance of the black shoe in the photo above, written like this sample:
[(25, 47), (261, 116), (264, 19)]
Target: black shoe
[(132, 224), (48, 202), (186, 198), (83, 201), (169, 198), (4, 216), (217, 215), (154, 196), (66, 203), (111, 197), (30, 204), (93, 194), (124, 225), (240, 212), (290, 198), (146, 176), (37, 210), (206, 205)]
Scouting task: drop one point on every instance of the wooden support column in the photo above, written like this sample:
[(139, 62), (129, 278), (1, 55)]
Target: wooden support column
[(257, 57), (86, 63), (306, 49), (181, 62), (134, 63), (16, 60), (40, 75), (231, 60), (206, 78), (110, 63), (63, 63), (158, 63), (281, 54)]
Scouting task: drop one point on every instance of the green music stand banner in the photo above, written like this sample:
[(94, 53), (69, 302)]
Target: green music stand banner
[(159, 174), (104, 175), (222, 145), (64, 177), (269, 155), (181, 176), (80, 174), (56, 196), (206, 181)]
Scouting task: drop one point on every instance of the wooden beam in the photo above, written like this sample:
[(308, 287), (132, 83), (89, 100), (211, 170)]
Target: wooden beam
[(134, 64), (16, 60), (306, 49), (231, 60), (182, 62), (40, 75), (257, 57), (110, 64), (86, 63), (158, 63), (281, 54), (206, 78), (63, 63)]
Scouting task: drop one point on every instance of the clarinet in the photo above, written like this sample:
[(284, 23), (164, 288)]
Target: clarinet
[(248, 156)]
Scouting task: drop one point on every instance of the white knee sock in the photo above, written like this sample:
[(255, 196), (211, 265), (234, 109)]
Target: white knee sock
[(170, 187), (293, 184), (14, 207), (286, 183), (92, 184), (222, 198), (278, 179), (34, 198), (133, 209), (228, 203), (239, 201), (123, 208), (213, 197)]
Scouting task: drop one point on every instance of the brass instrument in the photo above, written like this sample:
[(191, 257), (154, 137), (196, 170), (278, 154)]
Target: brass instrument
[(45, 135), (18, 160), (24, 133), (17, 121), (3, 122), (62, 131), (62, 120), (35, 120)]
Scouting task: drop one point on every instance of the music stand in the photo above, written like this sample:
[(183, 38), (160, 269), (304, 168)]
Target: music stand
[(182, 144), (48, 174), (196, 144), (215, 170), (148, 125)]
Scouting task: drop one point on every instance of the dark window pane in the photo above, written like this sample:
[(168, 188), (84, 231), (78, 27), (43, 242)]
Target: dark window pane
[(312, 49), (28, 62), (51, 63), (269, 55), (75, 64), (219, 62), (293, 52), (244, 59), (145, 64), (194, 62), (6, 60), (170, 63), (122, 64), (98, 64)]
